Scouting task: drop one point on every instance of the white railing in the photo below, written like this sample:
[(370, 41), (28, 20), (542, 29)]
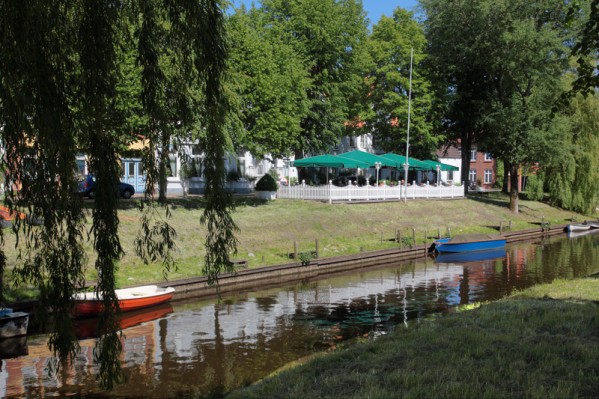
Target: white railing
[(332, 193)]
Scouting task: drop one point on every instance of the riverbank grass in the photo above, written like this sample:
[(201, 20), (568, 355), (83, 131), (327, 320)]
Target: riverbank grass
[(539, 343)]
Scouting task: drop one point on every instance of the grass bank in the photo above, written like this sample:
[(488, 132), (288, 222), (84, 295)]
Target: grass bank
[(267, 230), (540, 343)]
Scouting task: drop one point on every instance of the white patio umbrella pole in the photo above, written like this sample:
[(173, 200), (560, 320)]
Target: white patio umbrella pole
[(407, 165)]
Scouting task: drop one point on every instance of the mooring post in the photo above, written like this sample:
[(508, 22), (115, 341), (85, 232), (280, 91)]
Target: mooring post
[(399, 238), (413, 236), (438, 232), (501, 227), (510, 225), (381, 237), (294, 249), (448, 232)]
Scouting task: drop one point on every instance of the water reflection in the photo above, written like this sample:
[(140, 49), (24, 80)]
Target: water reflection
[(202, 348)]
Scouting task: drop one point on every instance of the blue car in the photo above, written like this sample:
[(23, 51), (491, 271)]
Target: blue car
[(87, 188)]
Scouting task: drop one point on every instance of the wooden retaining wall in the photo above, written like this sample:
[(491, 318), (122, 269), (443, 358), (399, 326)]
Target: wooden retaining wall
[(269, 276)]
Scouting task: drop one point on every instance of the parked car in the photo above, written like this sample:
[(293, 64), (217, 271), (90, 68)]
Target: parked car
[(87, 188)]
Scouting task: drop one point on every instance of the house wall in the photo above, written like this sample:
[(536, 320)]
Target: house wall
[(482, 168)]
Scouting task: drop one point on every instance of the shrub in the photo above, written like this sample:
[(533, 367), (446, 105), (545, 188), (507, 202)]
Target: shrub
[(361, 181), (267, 183)]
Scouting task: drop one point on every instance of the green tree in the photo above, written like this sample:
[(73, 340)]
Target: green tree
[(61, 91), (572, 169), (329, 35), (516, 55), (269, 82), (389, 46), (587, 48)]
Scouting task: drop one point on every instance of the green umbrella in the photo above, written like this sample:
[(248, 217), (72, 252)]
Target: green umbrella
[(329, 161)]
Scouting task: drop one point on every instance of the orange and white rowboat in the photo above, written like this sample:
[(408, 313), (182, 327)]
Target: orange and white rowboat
[(90, 304)]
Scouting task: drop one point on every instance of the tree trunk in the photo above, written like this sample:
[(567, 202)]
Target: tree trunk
[(514, 188), (505, 185), (465, 146), (162, 168)]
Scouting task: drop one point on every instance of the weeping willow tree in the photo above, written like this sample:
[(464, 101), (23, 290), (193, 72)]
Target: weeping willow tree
[(573, 174), (59, 95)]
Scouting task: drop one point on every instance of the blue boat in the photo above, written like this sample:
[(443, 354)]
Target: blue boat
[(462, 257), (469, 243)]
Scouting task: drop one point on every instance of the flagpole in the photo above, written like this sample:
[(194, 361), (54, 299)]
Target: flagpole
[(407, 164)]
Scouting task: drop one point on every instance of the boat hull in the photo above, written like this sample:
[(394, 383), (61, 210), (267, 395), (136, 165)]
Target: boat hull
[(465, 244), (461, 257), (14, 325), (130, 299), (578, 227)]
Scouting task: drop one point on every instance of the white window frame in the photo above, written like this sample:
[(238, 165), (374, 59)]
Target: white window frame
[(488, 176), (472, 176), (473, 154), (488, 156)]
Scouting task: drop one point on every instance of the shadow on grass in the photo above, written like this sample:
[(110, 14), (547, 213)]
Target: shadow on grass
[(192, 202), (496, 199)]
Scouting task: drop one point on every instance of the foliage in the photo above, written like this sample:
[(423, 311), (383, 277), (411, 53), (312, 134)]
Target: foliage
[(573, 171), (587, 49), (267, 183), (329, 36), (305, 258), (269, 82), (501, 72), (534, 187), (188, 169), (71, 72), (389, 47)]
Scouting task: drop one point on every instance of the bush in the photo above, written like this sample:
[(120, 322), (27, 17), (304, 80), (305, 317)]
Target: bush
[(267, 183), (361, 181)]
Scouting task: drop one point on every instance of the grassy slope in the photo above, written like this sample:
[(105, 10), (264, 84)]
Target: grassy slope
[(529, 345), (268, 229)]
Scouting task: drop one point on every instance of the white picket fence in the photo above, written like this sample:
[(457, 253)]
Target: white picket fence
[(332, 193)]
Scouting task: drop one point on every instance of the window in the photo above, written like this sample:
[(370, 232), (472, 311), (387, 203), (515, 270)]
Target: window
[(131, 169), (488, 176), (472, 176), (450, 175), (473, 154), (488, 156)]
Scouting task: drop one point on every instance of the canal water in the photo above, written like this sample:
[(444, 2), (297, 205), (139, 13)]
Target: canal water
[(196, 348)]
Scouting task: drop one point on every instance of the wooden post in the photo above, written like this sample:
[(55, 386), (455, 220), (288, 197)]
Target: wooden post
[(413, 236), (425, 237), (510, 225), (294, 249), (438, 232), (399, 238), (448, 232), (316, 248), (381, 237), (501, 227)]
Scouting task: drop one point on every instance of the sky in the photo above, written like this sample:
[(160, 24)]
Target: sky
[(374, 8)]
